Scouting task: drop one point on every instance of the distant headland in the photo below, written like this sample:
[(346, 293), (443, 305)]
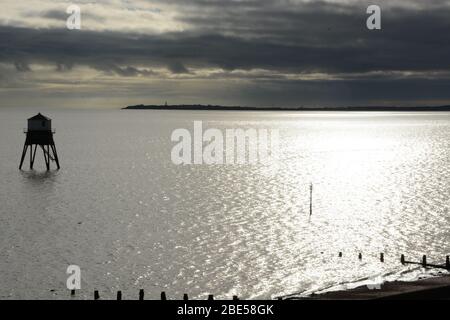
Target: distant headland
[(244, 108)]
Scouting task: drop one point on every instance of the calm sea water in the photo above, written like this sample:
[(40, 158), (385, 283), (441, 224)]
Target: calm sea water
[(131, 219)]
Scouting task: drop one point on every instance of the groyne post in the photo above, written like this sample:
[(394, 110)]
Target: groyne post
[(141, 294)]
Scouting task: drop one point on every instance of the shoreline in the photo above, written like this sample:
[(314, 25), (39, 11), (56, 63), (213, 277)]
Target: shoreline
[(241, 108), (422, 289)]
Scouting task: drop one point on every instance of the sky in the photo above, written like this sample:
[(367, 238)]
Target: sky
[(289, 53)]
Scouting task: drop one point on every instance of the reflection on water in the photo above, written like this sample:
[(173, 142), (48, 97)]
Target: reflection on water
[(131, 219), (43, 177)]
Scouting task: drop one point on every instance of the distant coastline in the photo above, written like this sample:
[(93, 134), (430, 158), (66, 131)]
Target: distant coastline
[(243, 108)]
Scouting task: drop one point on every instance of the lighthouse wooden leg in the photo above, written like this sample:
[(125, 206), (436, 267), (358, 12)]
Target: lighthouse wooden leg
[(46, 157), (24, 153), (33, 157), (45, 153), (55, 155)]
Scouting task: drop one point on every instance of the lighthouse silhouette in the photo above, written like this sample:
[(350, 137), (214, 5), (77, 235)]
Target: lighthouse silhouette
[(40, 134)]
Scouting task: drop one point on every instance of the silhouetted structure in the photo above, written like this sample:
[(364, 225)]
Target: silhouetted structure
[(247, 108), (40, 134)]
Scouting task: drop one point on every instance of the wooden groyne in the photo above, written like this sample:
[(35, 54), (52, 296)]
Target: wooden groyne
[(424, 263)]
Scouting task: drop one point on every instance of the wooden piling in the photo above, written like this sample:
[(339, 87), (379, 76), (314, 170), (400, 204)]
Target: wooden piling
[(424, 261), (72, 292), (402, 259), (340, 254), (163, 296), (119, 295), (382, 257), (24, 153), (185, 297), (360, 256), (447, 262), (96, 295), (141, 294), (211, 297), (235, 298)]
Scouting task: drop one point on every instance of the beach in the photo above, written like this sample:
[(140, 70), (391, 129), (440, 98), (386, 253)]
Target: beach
[(437, 288)]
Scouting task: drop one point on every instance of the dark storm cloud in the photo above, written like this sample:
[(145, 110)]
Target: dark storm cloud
[(22, 66), (62, 67), (320, 38), (61, 15), (178, 68), (408, 60), (54, 14), (122, 71)]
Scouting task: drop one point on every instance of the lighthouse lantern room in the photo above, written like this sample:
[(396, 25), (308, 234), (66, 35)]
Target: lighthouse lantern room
[(39, 123)]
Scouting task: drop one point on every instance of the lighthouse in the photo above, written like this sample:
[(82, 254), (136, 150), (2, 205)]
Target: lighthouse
[(39, 135)]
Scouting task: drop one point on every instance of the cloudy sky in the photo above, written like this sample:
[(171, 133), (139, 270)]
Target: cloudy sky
[(233, 52)]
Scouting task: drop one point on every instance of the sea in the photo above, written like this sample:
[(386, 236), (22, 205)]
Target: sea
[(130, 218)]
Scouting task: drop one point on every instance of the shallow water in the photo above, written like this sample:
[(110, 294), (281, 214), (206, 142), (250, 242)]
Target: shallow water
[(121, 210)]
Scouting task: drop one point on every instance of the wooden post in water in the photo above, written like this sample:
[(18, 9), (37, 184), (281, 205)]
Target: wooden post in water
[(119, 295), (185, 297), (72, 292), (382, 257), (96, 295), (360, 256), (402, 259), (424, 261), (340, 254), (163, 296), (310, 199), (235, 298), (447, 262), (141, 294), (211, 297)]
